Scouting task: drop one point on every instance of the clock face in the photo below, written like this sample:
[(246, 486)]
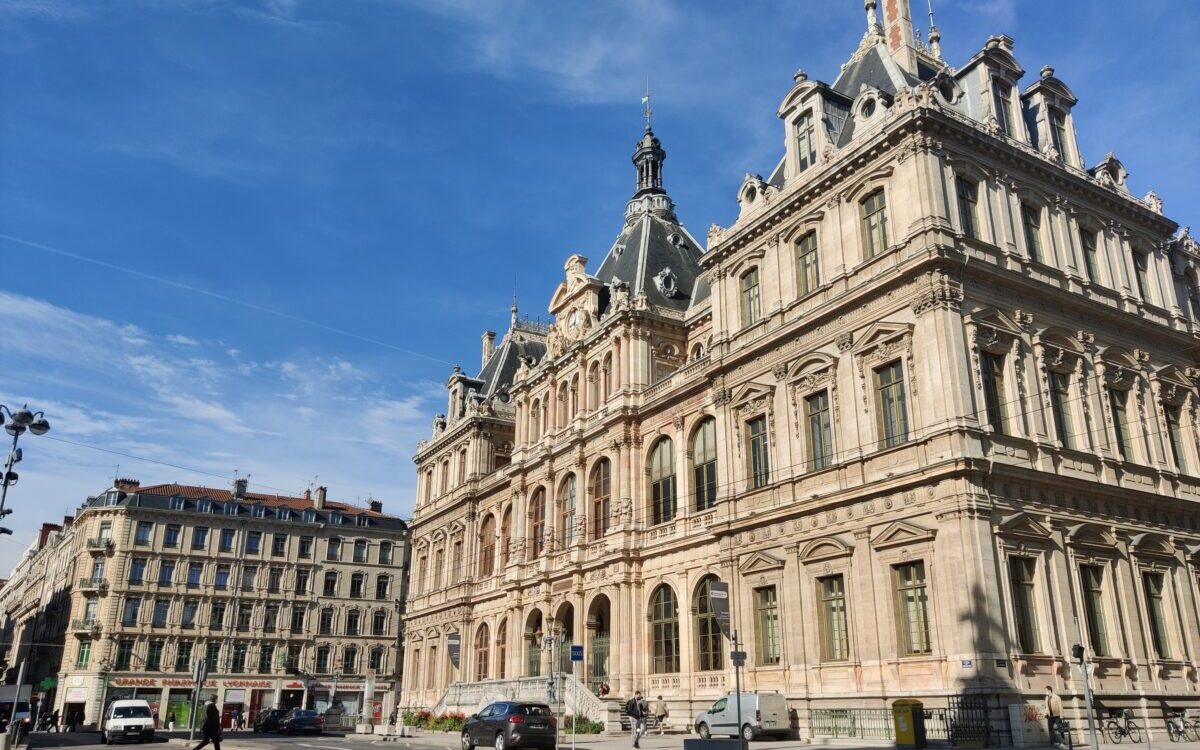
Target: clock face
[(573, 321)]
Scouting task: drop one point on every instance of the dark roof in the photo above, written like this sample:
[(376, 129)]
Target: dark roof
[(520, 342), (650, 243)]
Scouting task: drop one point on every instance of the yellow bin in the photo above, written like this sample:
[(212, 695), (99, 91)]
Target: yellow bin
[(908, 717)]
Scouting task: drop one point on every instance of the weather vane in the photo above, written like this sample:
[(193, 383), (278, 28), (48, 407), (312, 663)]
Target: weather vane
[(646, 111)]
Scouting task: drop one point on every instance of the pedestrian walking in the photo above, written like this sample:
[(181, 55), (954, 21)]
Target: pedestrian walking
[(1054, 712), (661, 712), (170, 721), (54, 719), (636, 709), (210, 730)]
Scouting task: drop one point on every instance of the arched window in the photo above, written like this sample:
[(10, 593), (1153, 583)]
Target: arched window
[(751, 297), (379, 622), (350, 660), (505, 535), (428, 485), (537, 524), (606, 377), (575, 395), (662, 482), (664, 630), (600, 490), (322, 666), (385, 553), (874, 223), (487, 546), (566, 512), (357, 583), (325, 622), (502, 650), (462, 467), (697, 352), (535, 421), (563, 404), (704, 464), (382, 583), (482, 652), (439, 567), (708, 634), (445, 476), (593, 389), (330, 584), (375, 661), (353, 618)]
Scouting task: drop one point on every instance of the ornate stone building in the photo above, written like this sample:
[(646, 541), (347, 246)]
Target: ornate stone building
[(929, 401)]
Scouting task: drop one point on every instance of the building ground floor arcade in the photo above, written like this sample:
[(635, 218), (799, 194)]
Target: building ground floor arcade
[(929, 592)]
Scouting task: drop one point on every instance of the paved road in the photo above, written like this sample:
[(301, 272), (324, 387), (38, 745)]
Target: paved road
[(41, 740)]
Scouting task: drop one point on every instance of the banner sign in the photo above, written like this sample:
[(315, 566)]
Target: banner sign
[(718, 594), (453, 647)]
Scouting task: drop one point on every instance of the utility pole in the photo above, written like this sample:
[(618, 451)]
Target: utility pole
[(1078, 652)]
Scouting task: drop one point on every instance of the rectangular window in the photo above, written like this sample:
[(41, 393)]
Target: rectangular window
[(124, 655), (237, 664), (968, 206), (301, 581), (760, 452), (1092, 580), (1090, 265), (1175, 435), (1156, 614), (249, 577), (166, 572), (154, 654), (820, 434), (1058, 132), (1060, 407), (890, 402), (171, 537), (1141, 273), (360, 551), (212, 656), (85, 654), (137, 571), (912, 608), (1031, 219), (194, 572), (874, 223), (200, 537), (297, 619), (142, 534), (162, 608), (216, 615), (266, 658), (306, 544), (253, 542), (333, 551), (183, 656), (834, 642), (222, 579), (226, 542), (245, 612), (992, 374), (808, 270), (188, 618), (1001, 103), (270, 617), (279, 545), (274, 580), (766, 625), (1020, 572), (1117, 400), (325, 622), (751, 299), (806, 142), (129, 614)]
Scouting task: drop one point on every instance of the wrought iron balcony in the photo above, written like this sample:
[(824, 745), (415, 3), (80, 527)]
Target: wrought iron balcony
[(100, 545), (85, 626), (93, 584)]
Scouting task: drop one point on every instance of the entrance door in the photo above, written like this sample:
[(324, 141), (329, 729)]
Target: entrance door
[(598, 662)]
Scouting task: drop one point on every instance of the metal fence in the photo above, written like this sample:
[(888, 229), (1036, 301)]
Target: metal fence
[(861, 723)]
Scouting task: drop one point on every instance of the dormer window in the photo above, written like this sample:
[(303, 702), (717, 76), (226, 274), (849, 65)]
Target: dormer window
[(310, 516), (1058, 132), (178, 503), (259, 511), (204, 506), (806, 142), (283, 514), (1001, 99), (112, 497), (335, 518), (231, 509), (363, 520)]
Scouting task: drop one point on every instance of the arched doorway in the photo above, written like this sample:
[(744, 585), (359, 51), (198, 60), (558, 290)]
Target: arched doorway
[(564, 628), (599, 623), (533, 644)]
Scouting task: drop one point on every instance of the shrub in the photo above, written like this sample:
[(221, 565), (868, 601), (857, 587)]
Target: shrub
[(582, 725)]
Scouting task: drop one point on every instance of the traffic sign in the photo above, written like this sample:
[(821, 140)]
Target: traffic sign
[(738, 658), (576, 652)]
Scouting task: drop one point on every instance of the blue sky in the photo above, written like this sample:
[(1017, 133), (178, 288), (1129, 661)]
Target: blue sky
[(302, 193)]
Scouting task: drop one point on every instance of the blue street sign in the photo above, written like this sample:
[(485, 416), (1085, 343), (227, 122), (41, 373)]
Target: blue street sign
[(576, 652)]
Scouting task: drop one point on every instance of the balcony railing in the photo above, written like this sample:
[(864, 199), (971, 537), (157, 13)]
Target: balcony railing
[(93, 584), (85, 626), (100, 545)]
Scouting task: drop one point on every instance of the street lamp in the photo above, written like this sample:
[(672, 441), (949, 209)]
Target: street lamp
[(18, 422)]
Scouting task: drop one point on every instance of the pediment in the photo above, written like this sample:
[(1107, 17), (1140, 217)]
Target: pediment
[(1091, 535), (882, 332), (809, 365), (1021, 525), (760, 562), (1154, 545), (751, 392), (825, 548), (901, 533)]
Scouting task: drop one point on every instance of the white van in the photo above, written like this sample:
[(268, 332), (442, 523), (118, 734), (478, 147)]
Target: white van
[(130, 721), (762, 713)]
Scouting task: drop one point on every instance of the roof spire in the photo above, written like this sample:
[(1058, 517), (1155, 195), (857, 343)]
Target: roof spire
[(646, 111), (935, 36), (513, 311), (873, 27), (649, 155)]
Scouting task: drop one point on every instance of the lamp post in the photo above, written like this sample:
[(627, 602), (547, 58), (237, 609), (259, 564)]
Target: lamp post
[(17, 423), (399, 665)]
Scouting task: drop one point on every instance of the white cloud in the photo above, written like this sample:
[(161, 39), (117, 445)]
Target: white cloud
[(177, 338)]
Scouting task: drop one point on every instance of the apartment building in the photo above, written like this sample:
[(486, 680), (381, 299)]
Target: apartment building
[(291, 601)]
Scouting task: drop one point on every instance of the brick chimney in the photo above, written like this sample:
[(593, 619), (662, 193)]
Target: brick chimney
[(47, 530), (319, 503), (898, 31), (376, 506), (489, 346), (239, 488)]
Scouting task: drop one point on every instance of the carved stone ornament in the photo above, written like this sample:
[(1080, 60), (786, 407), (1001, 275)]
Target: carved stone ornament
[(780, 370), (845, 341), (943, 292)]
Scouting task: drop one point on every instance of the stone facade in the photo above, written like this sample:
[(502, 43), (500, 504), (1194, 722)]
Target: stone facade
[(292, 601), (927, 402)]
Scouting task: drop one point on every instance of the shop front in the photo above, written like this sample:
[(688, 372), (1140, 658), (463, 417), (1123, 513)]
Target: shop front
[(347, 703), (137, 688)]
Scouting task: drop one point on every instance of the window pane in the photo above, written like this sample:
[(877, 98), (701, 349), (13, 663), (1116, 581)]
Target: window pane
[(874, 221), (766, 624), (820, 438), (834, 643), (1092, 579), (1031, 217), (1060, 407), (704, 461), (1175, 435), (751, 303), (1117, 400), (992, 372), (760, 461), (891, 405), (709, 638), (912, 608), (808, 275), (1021, 574), (1088, 239), (1153, 583), (806, 142), (968, 200)]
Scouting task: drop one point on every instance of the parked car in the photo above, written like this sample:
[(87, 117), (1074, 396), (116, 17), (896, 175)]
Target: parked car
[(268, 719), (300, 720), (762, 713), (507, 724), (129, 721)]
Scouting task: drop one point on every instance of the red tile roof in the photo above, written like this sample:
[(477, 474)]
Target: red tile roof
[(223, 495)]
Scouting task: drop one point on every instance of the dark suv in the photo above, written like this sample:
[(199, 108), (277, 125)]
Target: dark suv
[(268, 719), (510, 725)]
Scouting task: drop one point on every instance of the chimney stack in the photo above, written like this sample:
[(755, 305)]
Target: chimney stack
[(898, 33), (489, 346), (376, 506), (239, 488), (319, 504)]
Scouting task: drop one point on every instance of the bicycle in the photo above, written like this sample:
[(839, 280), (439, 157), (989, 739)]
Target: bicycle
[(1177, 727), (1062, 734), (1193, 728), (1120, 725)]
